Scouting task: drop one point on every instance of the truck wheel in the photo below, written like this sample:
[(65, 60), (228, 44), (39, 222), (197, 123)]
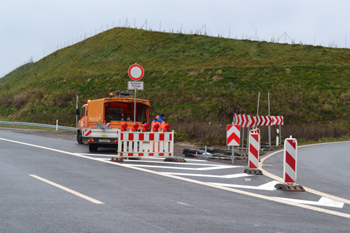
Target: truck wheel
[(93, 148), (79, 138)]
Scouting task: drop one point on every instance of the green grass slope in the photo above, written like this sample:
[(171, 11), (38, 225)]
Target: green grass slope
[(192, 79)]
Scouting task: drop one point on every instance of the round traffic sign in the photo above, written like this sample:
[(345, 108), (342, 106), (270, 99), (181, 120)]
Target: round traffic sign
[(136, 72)]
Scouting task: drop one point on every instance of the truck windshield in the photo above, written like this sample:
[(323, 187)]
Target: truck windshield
[(125, 112)]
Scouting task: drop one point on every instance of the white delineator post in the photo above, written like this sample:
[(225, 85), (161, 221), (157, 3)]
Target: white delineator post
[(290, 161)]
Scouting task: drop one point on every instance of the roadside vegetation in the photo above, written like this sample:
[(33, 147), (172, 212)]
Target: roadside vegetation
[(199, 82)]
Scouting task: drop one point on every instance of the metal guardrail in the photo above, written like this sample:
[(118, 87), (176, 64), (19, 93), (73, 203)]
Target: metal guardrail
[(34, 125)]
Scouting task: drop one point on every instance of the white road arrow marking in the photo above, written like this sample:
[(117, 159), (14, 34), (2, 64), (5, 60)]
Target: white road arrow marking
[(185, 168), (162, 162), (270, 186), (324, 201), (209, 176)]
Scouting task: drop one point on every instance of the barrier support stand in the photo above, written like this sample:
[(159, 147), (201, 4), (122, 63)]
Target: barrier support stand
[(253, 171)]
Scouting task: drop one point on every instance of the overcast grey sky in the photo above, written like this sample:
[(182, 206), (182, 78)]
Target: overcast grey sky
[(34, 28)]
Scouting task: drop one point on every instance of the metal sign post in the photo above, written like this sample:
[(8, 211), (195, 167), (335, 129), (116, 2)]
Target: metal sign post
[(233, 147), (135, 107), (257, 111), (268, 102), (76, 114), (136, 73)]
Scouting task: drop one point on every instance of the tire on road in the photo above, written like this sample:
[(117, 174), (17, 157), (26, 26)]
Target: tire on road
[(80, 138)]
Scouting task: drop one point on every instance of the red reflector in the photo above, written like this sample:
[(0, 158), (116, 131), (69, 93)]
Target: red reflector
[(91, 140), (161, 137), (115, 141)]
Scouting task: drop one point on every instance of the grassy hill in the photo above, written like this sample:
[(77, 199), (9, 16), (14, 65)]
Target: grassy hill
[(193, 79)]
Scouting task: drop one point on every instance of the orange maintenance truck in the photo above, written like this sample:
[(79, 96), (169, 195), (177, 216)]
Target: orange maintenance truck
[(100, 119)]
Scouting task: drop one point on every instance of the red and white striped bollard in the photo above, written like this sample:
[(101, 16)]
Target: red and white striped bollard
[(290, 167), (253, 155)]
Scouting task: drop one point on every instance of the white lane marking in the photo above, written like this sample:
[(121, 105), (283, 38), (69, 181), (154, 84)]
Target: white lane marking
[(270, 186), (326, 211), (172, 163), (143, 159), (97, 155), (184, 168), (116, 155), (209, 176), (197, 160), (182, 203), (324, 201), (67, 189), (102, 159)]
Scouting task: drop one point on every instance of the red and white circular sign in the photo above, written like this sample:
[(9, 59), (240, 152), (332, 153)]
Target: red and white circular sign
[(136, 72)]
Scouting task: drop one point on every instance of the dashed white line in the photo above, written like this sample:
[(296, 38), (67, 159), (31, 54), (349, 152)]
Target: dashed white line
[(67, 189)]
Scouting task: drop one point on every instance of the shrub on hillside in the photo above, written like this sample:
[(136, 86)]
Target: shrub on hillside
[(20, 100)]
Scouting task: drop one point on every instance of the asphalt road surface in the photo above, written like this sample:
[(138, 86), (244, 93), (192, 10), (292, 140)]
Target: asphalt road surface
[(55, 185)]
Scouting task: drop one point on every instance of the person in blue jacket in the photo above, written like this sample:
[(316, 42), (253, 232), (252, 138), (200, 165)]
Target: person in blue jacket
[(161, 122), (154, 121)]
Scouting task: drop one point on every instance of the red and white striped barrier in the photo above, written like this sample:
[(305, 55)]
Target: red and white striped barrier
[(290, 161), (233, 135), (253, 121), (146, 144), (264, 120), (277, 120), (253, 156)]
